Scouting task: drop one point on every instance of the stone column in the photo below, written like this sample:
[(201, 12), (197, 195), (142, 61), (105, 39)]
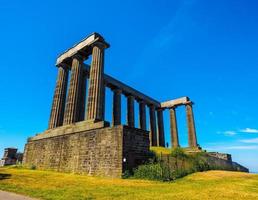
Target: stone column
[(95, 108), (142, 115), (192, 140), (58, 105), (161, 135), (153, 128), (130, 111), (173, 128), (72, 107), (83, 98), (116, 117)]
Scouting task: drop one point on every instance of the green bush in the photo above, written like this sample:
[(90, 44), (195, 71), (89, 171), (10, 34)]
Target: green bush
[(126, 174), (33, 167), (158, 171), (175, 165), (200, 163)]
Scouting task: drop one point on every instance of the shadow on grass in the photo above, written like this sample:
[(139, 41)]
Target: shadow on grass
[(4, 176)]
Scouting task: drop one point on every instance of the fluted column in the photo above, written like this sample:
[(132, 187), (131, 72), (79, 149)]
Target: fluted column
[(72, 108), (58, 105), (142, 115), (95, 104), (116, 117), (161, 135), (153, 128), (130, 111), (192, 140), (83, 98), (173, 128)]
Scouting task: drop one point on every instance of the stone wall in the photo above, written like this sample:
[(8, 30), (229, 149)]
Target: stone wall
[(212, 162), (220, 163), (224, 156), (135, 147), (95, 152)]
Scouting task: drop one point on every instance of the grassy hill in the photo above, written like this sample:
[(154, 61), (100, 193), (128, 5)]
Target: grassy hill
[(202, 185)]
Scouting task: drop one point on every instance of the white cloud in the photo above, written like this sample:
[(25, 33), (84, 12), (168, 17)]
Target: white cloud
[(249, 130), (236, 147), (242, 147), (254, 140), (227, 133)]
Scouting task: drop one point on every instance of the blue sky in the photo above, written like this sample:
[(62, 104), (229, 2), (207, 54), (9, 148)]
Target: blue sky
[(207, 50)]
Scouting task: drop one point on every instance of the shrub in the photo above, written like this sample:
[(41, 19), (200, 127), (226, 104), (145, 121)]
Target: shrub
[(33, 167), (199, 161), (126, 174), (158, 171), (152, 171)]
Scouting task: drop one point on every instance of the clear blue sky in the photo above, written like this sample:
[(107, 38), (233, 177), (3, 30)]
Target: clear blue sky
[(207, 50)]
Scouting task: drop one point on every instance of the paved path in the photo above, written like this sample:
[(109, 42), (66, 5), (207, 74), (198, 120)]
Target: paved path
[(12, 196)]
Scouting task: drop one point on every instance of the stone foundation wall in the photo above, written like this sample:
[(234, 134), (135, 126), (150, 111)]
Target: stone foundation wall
[(95, 152), (224, 156), (221, 163), (135, 147)]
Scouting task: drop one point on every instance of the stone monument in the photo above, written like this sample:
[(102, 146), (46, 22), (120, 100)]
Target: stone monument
[(78, 138)]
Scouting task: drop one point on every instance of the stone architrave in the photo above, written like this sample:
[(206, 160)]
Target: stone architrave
[(130, 111), (161, 135), (192, 140), (72, 108), (58, 105), (153, 128), (116, 117), (173, 128), (96, 94), (142, 115)]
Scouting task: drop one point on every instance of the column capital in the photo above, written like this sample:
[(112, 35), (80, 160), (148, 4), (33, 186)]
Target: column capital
[(78, 57), (63, 65), (172, 107), (129, 95), (190, 103), (151, 106), (116, 89), (160, 109), (141, 101), (100, 44)]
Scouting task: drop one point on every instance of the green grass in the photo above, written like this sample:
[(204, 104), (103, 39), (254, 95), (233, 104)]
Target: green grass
[(159, 150), (202, 185)]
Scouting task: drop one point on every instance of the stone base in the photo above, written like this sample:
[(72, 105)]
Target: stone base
[(193, 149), (102, 151)]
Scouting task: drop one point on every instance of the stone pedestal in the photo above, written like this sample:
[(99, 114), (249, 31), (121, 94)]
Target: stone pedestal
[(192, 141), (142, 115), (153, 128), (95, 109), (130, 111), (161, 135), (72, 108), (116, 115), (173, 128), (101, 151), (58, 105)]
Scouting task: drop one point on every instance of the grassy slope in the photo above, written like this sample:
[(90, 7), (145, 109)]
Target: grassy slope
[(205, 185), (159, 150)]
